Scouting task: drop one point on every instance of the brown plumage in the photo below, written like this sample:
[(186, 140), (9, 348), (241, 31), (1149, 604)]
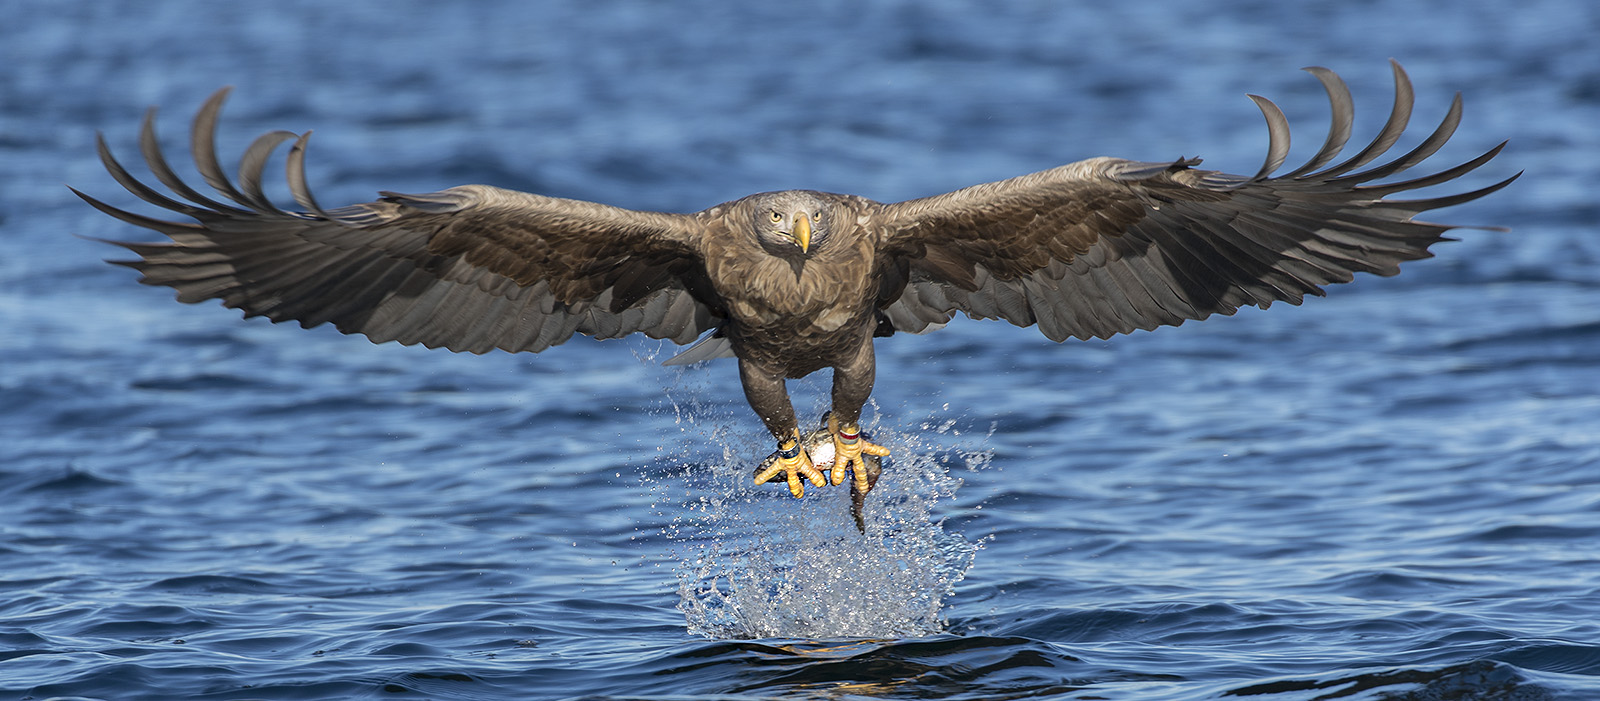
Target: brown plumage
[(796, 281)]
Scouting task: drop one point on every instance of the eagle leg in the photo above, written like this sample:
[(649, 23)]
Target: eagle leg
[(793, 462), (769, 398), (848, 446), (852, 385)]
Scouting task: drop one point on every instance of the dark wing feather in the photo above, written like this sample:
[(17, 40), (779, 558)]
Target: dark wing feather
[(1106, 246), (471, 268)]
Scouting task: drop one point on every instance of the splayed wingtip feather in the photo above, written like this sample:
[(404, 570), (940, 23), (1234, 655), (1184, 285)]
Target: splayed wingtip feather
[(1344, 112), (1277, 137)]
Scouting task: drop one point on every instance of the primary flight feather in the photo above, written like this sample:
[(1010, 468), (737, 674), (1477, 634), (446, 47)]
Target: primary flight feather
[(796, 281)]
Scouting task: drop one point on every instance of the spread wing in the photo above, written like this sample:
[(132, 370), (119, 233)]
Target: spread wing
[(1106, 246), (471, 268)]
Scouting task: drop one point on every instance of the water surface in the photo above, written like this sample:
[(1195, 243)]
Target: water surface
[(1391, 493)]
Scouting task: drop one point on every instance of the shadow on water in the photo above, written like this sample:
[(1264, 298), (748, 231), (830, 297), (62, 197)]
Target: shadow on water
[(1009, 667), (939, 666)]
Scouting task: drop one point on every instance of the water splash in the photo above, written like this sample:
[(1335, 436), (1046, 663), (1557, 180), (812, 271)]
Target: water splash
[(754, 562)]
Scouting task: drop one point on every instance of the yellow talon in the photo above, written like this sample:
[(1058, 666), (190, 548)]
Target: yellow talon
[(848, 445), (792, 460)]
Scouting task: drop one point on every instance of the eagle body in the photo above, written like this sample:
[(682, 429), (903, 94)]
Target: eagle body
[(796, 281), (792, 310), (795, 313)]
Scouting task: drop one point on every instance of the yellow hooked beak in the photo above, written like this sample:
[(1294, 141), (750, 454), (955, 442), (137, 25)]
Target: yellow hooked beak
[(802, 231)]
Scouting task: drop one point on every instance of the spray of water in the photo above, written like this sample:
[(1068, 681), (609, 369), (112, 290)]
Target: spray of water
[(754, 562)]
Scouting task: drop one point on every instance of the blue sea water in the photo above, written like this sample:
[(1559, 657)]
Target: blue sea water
[(1390, 493)]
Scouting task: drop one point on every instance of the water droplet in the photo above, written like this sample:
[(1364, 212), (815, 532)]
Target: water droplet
[(759, 563)]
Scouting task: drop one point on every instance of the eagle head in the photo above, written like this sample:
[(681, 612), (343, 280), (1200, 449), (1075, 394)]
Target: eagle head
[(793, 223)]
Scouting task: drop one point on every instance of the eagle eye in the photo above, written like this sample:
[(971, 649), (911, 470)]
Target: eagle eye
[(776, 217)]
